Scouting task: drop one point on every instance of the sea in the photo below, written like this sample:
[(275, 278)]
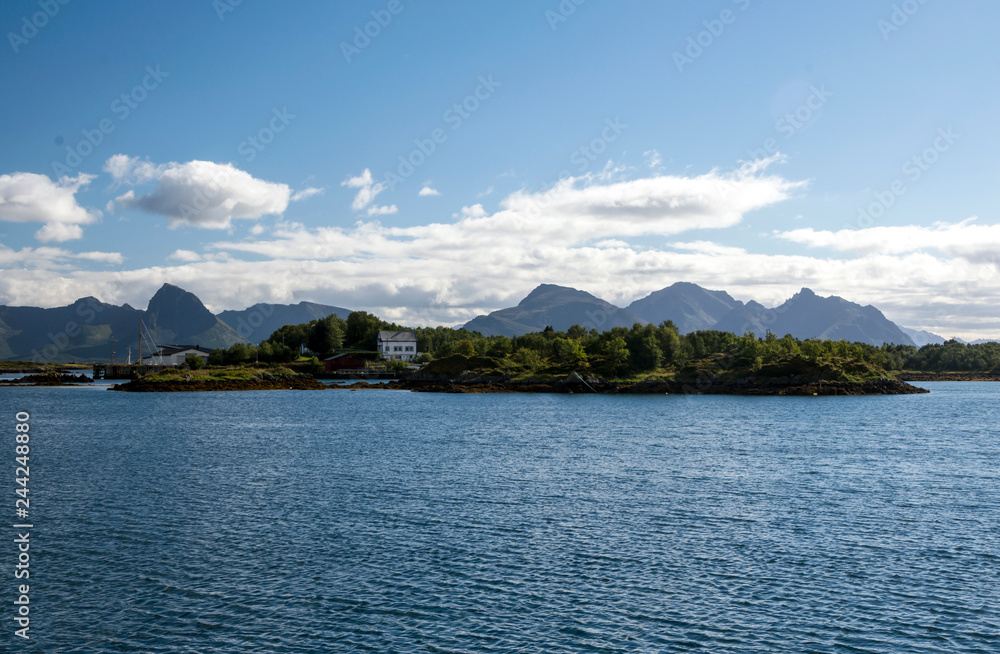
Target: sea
[(389, 521)]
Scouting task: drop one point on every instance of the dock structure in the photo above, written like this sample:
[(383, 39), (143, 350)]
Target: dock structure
[(123, 371)]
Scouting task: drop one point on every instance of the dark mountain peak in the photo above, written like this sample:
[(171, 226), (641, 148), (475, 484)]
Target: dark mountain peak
[(168, 293), (557, 306), (754, 305), (688, 305), (174, 309), (548, 291), (806, 294)]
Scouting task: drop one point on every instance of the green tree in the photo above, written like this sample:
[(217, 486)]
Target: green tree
[(569, 351), (326, 336), (362, 330), (465, 348), (499, 347), (616, 354), (644, 350), (194, 361)]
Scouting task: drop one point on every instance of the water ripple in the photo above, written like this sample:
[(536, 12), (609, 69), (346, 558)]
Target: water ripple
[(320, 522)]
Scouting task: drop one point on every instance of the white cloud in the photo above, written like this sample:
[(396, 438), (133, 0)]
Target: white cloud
[(707, 247), (50, 258), (966, 239), (59, 232), (368, 190), (653, 159), (427, 191), (29, 197), (185, 255), (198, 193), (306, 193), (379, 210)]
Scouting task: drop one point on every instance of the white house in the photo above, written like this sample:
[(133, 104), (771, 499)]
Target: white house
[(397, 346), (173, 355)]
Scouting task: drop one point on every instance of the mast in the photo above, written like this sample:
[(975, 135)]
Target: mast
[(140, 341)]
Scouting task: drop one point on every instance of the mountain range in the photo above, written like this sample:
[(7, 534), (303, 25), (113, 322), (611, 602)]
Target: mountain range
[(559, 307), (86, 329), (693, 308)]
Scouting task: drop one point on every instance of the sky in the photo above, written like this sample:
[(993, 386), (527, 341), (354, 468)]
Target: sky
[(433, 161)]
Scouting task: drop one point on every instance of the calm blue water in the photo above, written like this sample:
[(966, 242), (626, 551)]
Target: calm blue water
[(383, 521)]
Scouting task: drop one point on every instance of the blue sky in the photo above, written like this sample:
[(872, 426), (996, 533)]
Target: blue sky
[(245, 151)]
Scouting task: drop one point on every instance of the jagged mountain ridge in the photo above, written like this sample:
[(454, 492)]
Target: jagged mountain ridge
[(559, 307), (87, 329), (692, 308)]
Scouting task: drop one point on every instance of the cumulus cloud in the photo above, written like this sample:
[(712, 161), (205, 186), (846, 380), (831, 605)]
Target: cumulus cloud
[(198, 193), (51, 258), (966, 239), (29, 197), (59, 232), (368, 190), (427, 191), (185, 255)]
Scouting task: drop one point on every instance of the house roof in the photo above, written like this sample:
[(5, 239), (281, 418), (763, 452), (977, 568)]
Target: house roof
[(397, 337)]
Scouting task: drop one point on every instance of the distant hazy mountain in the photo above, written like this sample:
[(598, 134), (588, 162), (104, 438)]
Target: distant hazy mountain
[(258, 322), (689, 306), (85, 330), (557, 306), (751, 317), (922, 338), (807, 315)]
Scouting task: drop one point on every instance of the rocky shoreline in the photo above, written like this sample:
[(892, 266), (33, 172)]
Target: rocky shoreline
[(577, 384), (298, 383), (49, 379), (800, 385)]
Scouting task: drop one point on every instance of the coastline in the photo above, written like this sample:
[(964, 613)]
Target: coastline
[(574, 384)]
